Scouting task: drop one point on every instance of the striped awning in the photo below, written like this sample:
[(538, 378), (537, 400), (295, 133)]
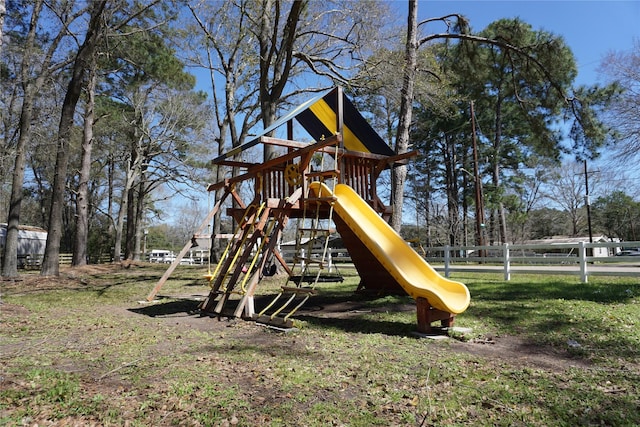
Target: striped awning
[(318, 116), (320, 119)]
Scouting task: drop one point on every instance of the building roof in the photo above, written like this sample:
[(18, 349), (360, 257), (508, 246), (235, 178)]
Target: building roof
[(566, 239)]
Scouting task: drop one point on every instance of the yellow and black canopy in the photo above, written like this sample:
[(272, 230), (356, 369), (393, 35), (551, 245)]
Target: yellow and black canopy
[(319, 117)]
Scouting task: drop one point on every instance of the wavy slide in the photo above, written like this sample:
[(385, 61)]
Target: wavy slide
[(397, 257)]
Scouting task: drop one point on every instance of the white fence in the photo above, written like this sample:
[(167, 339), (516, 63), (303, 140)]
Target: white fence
[(561, 258)]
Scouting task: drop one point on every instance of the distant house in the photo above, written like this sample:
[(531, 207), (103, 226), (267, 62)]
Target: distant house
[(31, 243), (597, 252)]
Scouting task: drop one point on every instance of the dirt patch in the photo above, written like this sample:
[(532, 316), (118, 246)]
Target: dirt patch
[(518, 352), (182, 312)]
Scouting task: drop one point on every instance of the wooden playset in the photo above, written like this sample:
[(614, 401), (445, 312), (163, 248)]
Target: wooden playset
[(299, 183)]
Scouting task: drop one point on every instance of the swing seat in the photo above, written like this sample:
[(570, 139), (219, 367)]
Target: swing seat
[(311, 278)]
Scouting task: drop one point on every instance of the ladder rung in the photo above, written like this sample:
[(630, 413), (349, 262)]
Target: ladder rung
[(297, 290), (310, 260), (275, 321), (323, 230)]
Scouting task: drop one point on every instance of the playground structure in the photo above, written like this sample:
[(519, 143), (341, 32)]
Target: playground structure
[(330, 181)]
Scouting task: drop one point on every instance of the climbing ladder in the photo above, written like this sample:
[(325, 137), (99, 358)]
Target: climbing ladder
[(239, 258), (244, 261), (310, 265)]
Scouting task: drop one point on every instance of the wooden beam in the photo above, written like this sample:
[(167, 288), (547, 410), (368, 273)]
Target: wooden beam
[(185, 249), (235, 164), (278, 161), (268, 140)]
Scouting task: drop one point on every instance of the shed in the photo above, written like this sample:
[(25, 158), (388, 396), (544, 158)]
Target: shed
[(31, 243)]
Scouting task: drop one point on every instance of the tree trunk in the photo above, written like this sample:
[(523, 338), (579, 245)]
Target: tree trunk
[(502, 218), (275, 61), (399, 173), (3, 12), (139, 224), (117, 246), (50, 263), (10, 254), (82, 199), (216, 249), (131, 224)]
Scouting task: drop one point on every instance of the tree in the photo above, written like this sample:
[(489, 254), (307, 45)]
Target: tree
[(547, 222), (50, 262), (80, 253), (399, 173), (585, 113), (319, 43), (228, 56), (275, 44), (515, 100), (618, 215), (622, 68), (567, 190), (40, 61), (152, 109), (3, 12), (527, 76)]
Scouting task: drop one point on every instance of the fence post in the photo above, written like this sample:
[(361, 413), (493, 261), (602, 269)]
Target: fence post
[(507, 262), (447, 260), (582, 256)]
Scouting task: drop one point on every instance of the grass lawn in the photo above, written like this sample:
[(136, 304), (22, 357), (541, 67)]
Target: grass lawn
[(543, 350)]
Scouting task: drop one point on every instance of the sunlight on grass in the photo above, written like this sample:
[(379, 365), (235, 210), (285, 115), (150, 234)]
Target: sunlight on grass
[(90, 353)]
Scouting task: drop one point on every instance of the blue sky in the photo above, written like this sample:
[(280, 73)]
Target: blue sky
[(590, 28)]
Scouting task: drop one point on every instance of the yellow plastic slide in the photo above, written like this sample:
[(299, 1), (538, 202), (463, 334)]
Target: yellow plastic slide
[(404, 264)]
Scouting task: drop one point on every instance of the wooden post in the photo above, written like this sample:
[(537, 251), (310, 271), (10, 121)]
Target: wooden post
[(186, 248), (426, 315)]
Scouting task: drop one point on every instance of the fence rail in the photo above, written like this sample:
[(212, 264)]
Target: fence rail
[(574, 259), (559, 258)]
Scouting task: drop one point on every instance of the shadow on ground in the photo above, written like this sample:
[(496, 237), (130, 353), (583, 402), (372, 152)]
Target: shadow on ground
[(344, 311)]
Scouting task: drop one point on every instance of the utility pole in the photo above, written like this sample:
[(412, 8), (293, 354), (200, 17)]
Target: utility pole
[(478, 187), (587, 201)]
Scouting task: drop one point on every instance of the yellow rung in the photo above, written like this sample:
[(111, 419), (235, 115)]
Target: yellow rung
[(296, 308), (270, 304), (230, 242), (255, 256), (275, 313), (244, 237)]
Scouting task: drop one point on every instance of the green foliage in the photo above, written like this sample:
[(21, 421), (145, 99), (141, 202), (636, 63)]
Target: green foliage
[(520, 94), (586, 111), (618, 215)]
